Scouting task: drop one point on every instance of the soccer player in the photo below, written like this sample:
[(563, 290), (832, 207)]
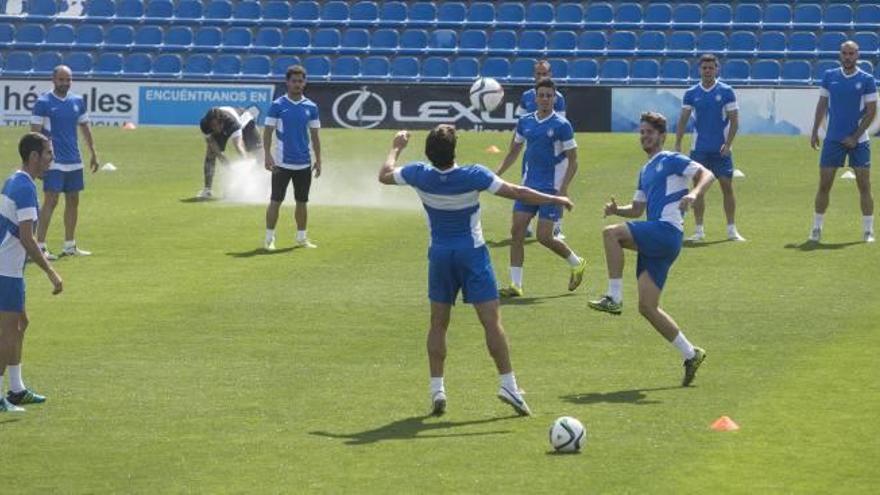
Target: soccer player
[(549, 163), (714, 107), (57, 114), (849, 97), (219, 125), (458, 259), (663, 192), (18, 217), (294, 120), (528, 104)]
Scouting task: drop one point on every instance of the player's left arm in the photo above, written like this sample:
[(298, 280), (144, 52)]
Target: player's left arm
[(90, 142), (733, 122), (870, 112), (316, 147), (702, 177), (570, 147), (386, 173)]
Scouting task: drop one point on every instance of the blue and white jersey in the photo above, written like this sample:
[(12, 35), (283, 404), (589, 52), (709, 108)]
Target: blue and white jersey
[(18, 203), (663, 181), (547, 140), (847, 97), (528, 104), (451, 200), (292, 121), (60, 118), (710, 107)]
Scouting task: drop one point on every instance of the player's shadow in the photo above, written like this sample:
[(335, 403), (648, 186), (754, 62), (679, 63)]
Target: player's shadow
[(702, 244), (260, 252), (528, 301), (820, 246), (413, 429), (9, 420), (506, 242), (196, 199), (636, 397)]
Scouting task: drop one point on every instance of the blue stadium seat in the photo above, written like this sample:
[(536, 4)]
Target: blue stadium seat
[(298, 38), (444, 40), (159, 9), (765, 72), (717, 16), (61, 35), (712, 42), (838, 16), (335, 11), (305, 12), (268, 39), (276, 11), (473, 42), (867, 17), (45, 62), (747, 16), (621, 43), (89, 36), (346, 68), (820, 67), (681, 44), (559, 68), (771, 44), (796, 72), (658, 16), (137, 64), (614, 70), (100, 8), (480, 14), (497, 67), (807, 16), (317, 67), (592, 43), (7, 33), (108, 64), (119, 37), (829, 43), (510, 14), (326, 40), (423, 14), (375, 67), (413, 41), (280, 64), (384, 41), (198, 65), (188, 10), (29, 35), (79, 62), (248, 10), (405, 68), (522, 70), (167, 65), (777, 16), (628, 16), (208, 38), (561, 43), (19, 63), (868, 44), (227, 65), (218, 10), (364, 13), (148, 37), (393, 13), (569, 16), (502, 41), (451, 14), (801, 45), (599, 15), (435, 68), (866, 66), (645, 70), (652, 44), (129, 9), (41, 8), (539, 14), (464, 68), (532, 43), (687, 16), (583, 69), (735, 71), (675, 71), (178, 37), (355, 40), (742, 44), (236, 39)]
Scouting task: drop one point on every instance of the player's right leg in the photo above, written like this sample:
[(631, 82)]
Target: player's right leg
[(496, 341), (866, 199), (522, 215), (280, 178), (53, 183), (208, 171), (437, 354), (616, 238), (73, 185), (302, 184), (18, 393), (10, 297), (547, 218), (831, 159), (699, 205)]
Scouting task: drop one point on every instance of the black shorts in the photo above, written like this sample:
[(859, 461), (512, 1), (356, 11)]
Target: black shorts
[(302, 182)]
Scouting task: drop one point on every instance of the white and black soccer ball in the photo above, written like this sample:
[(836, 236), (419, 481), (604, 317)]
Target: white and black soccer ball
[(567, 434), (486, 94)]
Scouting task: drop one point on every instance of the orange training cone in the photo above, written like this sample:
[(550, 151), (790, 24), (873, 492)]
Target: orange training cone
[(724, 423), (493, 149)]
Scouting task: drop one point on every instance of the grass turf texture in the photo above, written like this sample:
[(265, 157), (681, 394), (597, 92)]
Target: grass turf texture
[(180, 358)]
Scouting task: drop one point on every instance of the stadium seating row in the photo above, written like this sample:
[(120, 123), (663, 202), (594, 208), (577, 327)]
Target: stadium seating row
[(386, 41), (639, 71), (627, 15)]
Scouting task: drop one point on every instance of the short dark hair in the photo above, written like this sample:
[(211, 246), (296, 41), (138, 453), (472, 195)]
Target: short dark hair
[(295, 70), (205, 123), (708, 57), (545, 82), (29, 143), (440, 146), (655, 120)]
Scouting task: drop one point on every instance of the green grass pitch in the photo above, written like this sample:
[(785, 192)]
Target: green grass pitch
[(180, 359)]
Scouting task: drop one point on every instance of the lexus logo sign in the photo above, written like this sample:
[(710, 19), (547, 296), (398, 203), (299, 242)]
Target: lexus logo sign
[(359, 109)]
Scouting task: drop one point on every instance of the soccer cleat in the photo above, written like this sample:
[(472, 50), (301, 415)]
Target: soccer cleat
[(24, 397), (607, 305), (6, 406), (815, 234), (698, 236), (869, 236), (511, 291), (438, 403), (205, 193), (49, 256), (75, 251), (269, 244), (515, 400), (692, 365), (577, 275), (734, 236), (306, 243), (529, 232)]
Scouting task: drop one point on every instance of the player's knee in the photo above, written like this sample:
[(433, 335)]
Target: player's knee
[(610, 232), (647, 309), (545, 237), (50, 200), (23, 323)]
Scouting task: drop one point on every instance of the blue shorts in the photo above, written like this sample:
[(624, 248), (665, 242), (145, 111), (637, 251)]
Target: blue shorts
[(469, 270), (11, 294), (547, 212), (718, 164), (659, 244), (59, 181), (834, 153)]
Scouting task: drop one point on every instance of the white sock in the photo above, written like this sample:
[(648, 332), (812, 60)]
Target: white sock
[(42, 246), (69, 244), (508, 381), (270, 234), (681, 342), (818, 219), (300, 235), (731, 228), (698, 228), (437, 385), (15, 382), (868, 223), (516, 274), (615, 289), (573, 260)]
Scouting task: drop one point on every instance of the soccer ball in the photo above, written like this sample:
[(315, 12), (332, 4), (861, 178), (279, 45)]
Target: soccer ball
[(486, 94), (567, 434)]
